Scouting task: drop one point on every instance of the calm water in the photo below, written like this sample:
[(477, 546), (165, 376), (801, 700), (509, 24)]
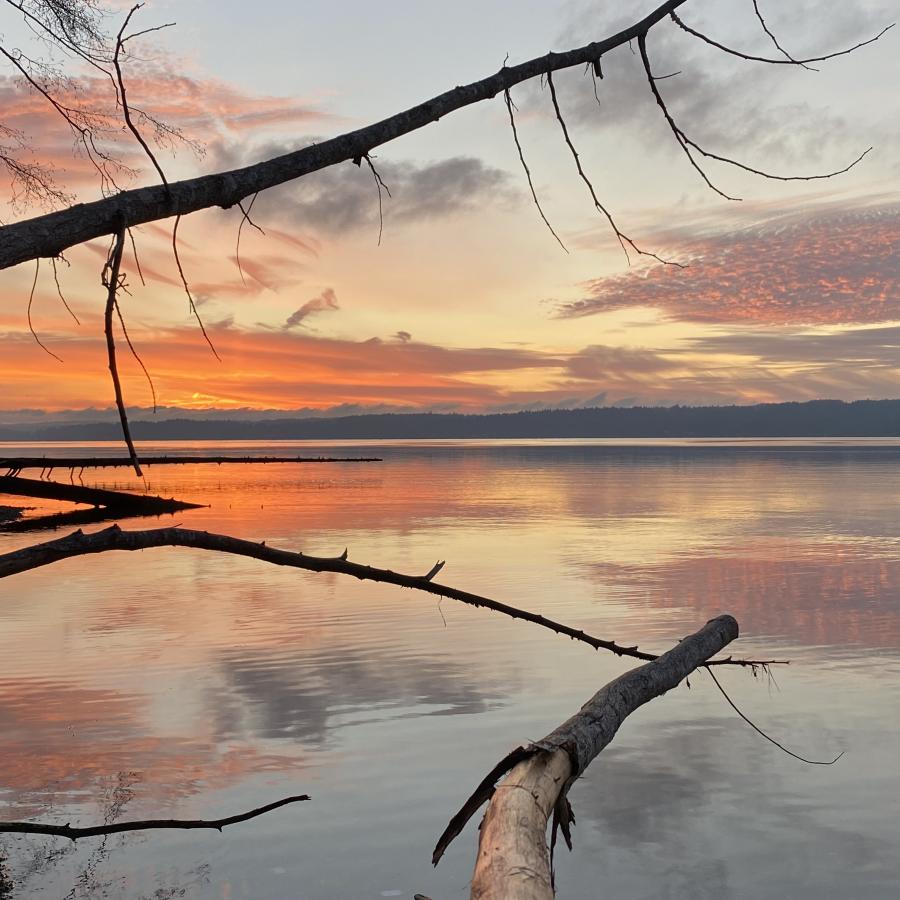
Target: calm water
[(177, 683)]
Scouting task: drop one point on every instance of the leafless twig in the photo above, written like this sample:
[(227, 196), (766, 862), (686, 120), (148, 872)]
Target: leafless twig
[(764, 59), (187, 290), (40, 343), (74, 833), (688, 145), (379, 184), (59, 291), (537, 203), (771, 740), (245, 217), (624, 241)]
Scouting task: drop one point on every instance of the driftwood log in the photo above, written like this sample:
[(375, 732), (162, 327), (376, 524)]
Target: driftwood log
[(514, 861)]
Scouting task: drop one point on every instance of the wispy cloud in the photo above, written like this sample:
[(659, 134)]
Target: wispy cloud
[(324, 302)]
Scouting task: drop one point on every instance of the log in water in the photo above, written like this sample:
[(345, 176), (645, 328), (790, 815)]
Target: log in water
[(15, 464)]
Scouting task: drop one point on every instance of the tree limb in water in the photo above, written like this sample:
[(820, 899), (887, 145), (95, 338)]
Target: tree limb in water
[(114, 538), (513, 857), (73, 833)]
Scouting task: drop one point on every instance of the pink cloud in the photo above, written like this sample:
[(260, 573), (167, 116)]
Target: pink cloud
[(819, 267)]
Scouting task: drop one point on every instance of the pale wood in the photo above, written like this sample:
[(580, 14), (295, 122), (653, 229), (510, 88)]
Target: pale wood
[(513, 857)]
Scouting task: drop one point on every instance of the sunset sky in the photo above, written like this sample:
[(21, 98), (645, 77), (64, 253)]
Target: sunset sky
[(469, 302)]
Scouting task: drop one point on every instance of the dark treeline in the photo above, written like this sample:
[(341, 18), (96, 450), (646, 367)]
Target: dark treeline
[(816, 418)]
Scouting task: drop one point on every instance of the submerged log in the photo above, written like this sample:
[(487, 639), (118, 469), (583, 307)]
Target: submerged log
[(15, 464), (72, 493), (514, 860)]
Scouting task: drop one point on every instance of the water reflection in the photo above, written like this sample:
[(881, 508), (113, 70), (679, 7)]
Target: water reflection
[(222, 683)]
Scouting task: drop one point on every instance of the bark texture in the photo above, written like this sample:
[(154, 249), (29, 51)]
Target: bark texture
[(513, 856)]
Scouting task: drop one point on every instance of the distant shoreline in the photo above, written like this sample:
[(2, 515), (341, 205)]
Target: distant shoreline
[(812, 419)]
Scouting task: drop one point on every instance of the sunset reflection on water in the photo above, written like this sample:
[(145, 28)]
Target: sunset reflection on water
[(208, 684)]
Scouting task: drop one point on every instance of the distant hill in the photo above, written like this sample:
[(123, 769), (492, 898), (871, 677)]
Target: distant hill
[(815, 418)]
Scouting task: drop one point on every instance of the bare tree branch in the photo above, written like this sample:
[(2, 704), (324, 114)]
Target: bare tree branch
[(114, 538), (774, 39), (187, 290), (48, 235), (687, 144), (111, 280), (59, 291), (624, 241), (534, 196), (73, 833), (34, 334), (764, 59)]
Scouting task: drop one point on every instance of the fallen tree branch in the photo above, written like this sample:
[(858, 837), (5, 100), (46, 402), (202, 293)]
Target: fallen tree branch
[(73, 833), (513, 857), (114, 538)]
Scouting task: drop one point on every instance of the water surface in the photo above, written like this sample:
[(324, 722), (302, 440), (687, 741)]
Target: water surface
[(179, 683)]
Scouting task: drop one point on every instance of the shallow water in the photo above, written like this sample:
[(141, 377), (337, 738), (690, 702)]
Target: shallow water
[(178, 683)]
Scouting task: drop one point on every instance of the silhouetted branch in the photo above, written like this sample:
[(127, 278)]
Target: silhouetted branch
[(34, 334), (114, 538), (73, 833), (59, 291), (624, 241), (774, 39), (771, 740), (537, 203), (245, 217), (135, 354), (122, 98), (111, 279), (187, 290), (764, 59), (379, 184), (688, 145)]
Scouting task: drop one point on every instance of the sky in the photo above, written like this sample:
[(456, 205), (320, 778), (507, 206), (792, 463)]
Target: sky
[(468, 302)]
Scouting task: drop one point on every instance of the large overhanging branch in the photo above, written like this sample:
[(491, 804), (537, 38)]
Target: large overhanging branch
[(114, 538), (49, 235)]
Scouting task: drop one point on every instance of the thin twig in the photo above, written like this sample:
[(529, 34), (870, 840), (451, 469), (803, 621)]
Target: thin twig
[(687, 144), (123, 101), (135, 354), (187, 289), (774, 39), (379, 183), (111, 280), (115, 538), (137, 261), (764, 59), (73, 833), (512, 122), (59, 291), (624, 241), (771, 740), (244, 218), (40, 343)]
